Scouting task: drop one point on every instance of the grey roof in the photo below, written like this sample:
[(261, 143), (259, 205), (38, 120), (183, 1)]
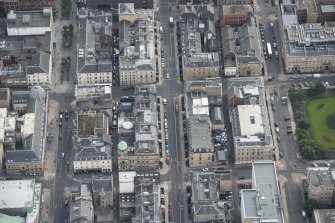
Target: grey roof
[(205, 187), (235, 89), (147, 201), (81, 208), (102, 184), (319, 176), (146, 133), (92, 148), (199, 134), (327, 8), (37, 92), (40, 63), (136, 44), (228, 40), (249, 41), (264, 200), (96, 57), (205, 11), (33, 150), (126, 8), (4, 93), (20, 97)]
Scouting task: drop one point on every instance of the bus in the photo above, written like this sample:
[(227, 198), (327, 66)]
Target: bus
[(269, 49)]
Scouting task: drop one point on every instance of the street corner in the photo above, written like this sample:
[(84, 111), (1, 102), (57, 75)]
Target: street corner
[(282, 77), (298, 177), (166, 169)]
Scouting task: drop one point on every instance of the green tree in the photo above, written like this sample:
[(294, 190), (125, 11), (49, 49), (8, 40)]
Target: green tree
[(331, 120), (297, 96), (302, 124), (308, 151), (319, 89), (310, 205), (301, 134)]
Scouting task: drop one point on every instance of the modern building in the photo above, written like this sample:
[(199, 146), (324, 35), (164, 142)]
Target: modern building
[(262, 203), (101, 91), (320, 185), (324, 216), (93, 154), (199, 60), (137, 60), (102, 189), (138, 131), (81, 206), (206, 206), (242, 50), (309, 48), (5, 98), (21, 198), (138, 4), (147, 201), (94, 59), (234, 15), (29, 160), (250, 120), (20, 101)]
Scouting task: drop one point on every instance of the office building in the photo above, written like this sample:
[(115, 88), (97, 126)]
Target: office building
[(262, 203), (250, 120)]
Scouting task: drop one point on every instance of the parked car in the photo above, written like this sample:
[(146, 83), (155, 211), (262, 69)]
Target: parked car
[(315, 165), (327, 164), (278, 138)]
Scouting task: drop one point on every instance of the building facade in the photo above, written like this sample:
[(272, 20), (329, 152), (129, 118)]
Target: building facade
[(320, 185), (309, 48), (137, 61), (250, 121)]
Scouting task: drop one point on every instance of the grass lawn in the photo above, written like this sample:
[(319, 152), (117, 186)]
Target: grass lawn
[(318, 111)]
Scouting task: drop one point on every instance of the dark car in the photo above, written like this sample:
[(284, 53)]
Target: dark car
[(289, 132), (241, 177)]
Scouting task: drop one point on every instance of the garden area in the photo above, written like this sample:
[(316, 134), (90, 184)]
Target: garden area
[(314, 115), (67, 35)]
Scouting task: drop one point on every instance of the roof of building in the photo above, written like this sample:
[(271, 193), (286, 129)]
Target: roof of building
[(39, 64), (236, 9), (29, 22), (20, 97), (147, 203), (11, 219), (93, 56), (32, 131), (324, 216), (92, 148), (126, 181), (318, 176), (327, 8), (205, 187), (137, 51), (23, 191), (253, 110), (126, 8), (199, 134), (310, 5), (91, 124), (263, 201), (4, 94), (310, 39), (93, 90), (102, 184), (82, 206)]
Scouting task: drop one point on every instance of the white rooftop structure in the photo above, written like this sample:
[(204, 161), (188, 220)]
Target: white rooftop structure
[(200, 106), (262, 203), (126, 182), (23, 191), (251, 121)]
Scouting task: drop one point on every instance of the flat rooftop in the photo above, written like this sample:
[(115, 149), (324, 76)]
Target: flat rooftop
[(28, 19), (23, 191), (88, 123), (251, 120)]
